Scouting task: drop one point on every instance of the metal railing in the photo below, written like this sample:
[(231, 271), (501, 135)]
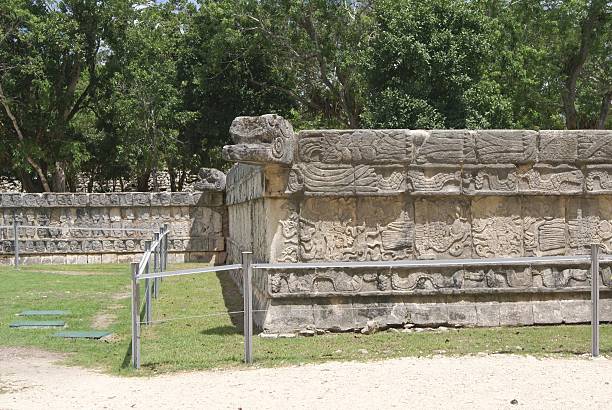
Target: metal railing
[(140, 271), (247, 267), (158, 250)]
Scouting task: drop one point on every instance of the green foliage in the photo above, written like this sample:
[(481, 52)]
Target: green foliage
[(115, 90), (426, 62)]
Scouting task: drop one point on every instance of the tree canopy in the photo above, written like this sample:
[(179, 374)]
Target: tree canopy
[(116, 90)]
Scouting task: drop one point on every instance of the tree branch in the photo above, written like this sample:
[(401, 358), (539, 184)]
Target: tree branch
[(37, 168)]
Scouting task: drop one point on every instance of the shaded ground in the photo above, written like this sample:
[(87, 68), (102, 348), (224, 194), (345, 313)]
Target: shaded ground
[(29, 379)]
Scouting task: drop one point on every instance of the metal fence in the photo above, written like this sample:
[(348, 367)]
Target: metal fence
[(140, 272)]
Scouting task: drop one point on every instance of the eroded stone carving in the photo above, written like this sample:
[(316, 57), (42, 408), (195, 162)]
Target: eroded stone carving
[(336, 240), (594, 146), (558, 146), (211, 179), (589, 221), (443, 146), (506, 146), (599, 179), (354, 147), (424, 280), (498, 236), (442, 229), (546, 179), (490, 180), (267, 138), (434, 180)]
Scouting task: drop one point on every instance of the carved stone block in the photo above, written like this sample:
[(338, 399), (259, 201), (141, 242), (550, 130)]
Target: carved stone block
[(434, 180), (558, 147), (551, 180), (379, 180), (589, 221), (555, 277), (515, 314), (598, 179), (497, 227), (210, 179), (594, 146), (416, 280), (355, 146), (443, 146), (318, 178), (267, 138), (442, 229), (544, 227), (506, 146), (489, 180)]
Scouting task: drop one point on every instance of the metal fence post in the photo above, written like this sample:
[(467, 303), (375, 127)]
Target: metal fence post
[(147, 286), (135, 317), (156, 264), (247, 293), (595, 300), (167, 230), (16, 239)]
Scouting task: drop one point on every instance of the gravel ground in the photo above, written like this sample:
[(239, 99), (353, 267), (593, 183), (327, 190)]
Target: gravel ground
[(31, 379)]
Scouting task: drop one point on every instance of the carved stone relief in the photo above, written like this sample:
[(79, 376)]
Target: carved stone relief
[(429, 180), (551, 180), (355, 147), (442, 229), (506, 146), (443, 146), (594, 146), (589, 221), (497, 227), (489, 180), (599, 179), (545, 230), (558, 147)]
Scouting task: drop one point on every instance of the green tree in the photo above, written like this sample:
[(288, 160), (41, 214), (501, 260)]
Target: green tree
[(53, 56), (426, 66), (141, 110)]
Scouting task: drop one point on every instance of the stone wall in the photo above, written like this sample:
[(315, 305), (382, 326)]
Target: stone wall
[(366, 195), (197, 222)]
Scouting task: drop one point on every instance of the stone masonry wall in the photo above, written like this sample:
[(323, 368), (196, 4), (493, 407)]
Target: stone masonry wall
[(197, 221), (367, 195)]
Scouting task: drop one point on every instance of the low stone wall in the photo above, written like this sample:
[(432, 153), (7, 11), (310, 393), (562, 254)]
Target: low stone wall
[(361, 195), (197, 223)]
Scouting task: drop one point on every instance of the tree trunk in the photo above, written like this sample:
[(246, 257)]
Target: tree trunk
[(605, 108), (28, 184), (172, 174), (142, 181), (574, 63), (58, 178)]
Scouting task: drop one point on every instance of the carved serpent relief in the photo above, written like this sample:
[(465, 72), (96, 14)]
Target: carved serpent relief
[(419, 280)]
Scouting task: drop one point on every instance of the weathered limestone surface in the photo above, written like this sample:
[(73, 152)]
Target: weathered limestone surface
[(367, 195), (197, 226)]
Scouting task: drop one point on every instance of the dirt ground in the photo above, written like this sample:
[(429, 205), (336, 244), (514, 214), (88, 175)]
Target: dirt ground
[(31, 379)]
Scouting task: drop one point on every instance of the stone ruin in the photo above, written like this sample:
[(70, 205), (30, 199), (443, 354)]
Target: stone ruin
[(367, 195)]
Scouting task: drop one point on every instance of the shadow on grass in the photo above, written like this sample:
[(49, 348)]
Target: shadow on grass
[(222, 331), (233, 303)]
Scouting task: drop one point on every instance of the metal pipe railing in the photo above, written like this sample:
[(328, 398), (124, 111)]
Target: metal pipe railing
[(247, 268)]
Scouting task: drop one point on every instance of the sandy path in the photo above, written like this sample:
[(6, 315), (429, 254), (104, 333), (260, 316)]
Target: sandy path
[(30, 380)]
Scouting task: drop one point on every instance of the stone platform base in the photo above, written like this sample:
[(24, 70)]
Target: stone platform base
[(478, 310)]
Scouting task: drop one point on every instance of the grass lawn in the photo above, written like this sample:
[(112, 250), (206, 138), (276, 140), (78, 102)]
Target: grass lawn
[(99, 295)]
